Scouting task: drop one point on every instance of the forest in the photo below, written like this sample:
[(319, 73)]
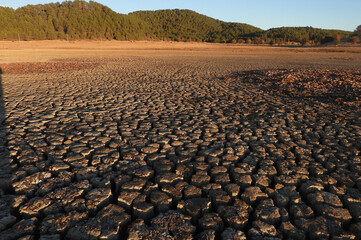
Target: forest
[(72, 20)]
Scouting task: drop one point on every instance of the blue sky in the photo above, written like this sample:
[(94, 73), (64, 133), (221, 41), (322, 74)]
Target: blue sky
[(330, 14)]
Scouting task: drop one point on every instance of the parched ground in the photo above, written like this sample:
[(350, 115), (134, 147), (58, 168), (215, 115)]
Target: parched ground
[(180, 144)]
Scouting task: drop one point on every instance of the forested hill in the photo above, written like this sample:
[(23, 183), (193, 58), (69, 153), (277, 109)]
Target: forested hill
[(76, 20), (90, 20), (302, 35), (187, 24)]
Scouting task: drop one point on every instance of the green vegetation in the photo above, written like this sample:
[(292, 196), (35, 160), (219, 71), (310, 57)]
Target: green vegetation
[(337, 39), (90, 20), (358, 31), (302, 35), (355, 39), (356, 36), (78, 20), (189, 25)]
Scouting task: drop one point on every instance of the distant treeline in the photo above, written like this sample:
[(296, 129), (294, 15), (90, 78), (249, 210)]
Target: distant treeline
[(90, 20)]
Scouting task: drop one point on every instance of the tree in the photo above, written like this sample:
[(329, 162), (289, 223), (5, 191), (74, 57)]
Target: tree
[(303, 42), (81, 19), (337, 39), (355, 39), (358, 30), (258, 41)]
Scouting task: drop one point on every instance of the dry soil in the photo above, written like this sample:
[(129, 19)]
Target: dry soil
[(161, 140)]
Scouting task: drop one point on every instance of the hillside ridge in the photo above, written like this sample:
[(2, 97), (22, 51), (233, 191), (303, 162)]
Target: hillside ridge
[(90, 20)]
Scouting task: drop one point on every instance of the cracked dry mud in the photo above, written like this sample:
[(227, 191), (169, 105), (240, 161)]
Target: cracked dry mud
[(161, 148)]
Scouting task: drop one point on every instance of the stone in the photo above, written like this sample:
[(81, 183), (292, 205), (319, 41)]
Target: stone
[(222, 179), (210, 187), (253, 195), (310, 187), (60, 223), (34, 206), (324, 198), (85, 230), (243, 180), (211, 221), (98, 198), (267, 170), (233, 190), (119, 180), (356, 229), (339, 214), (66, 195), (144, 210), (267, 212), (207, 235), (22, 228), (192, 192), (236, 216), (28, 185), (219, 198), (27, 237), (165, 226), (344, 236), (301, 211), (291, 232), (144, 172), (6, 219), (112, 219), (231, 234), (161, 201), (261, 181), (199, 180), (176, 192), (126, 198), (50, 237), (195, 207), (150, 150), (168, 178), (318, 229), (105, 225), (136, 184), (261, 230), (353, 204)]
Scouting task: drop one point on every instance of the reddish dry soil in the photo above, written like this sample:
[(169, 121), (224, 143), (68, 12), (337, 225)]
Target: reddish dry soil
[(45, 67), (341, 87)]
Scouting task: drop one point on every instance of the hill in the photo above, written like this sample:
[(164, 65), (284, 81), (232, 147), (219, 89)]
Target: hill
[(302, 35), (186, 24), (78, 20), (90, 20)]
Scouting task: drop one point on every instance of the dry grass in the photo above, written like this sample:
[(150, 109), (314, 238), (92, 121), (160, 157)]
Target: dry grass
[(339, 87)]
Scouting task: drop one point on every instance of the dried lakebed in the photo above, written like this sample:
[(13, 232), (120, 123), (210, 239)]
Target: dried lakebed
[(153, 149)]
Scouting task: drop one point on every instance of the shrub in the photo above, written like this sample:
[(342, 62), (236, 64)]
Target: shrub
[(337, 39), (303, 42), (355, 39), (358, 30), (258, 41)]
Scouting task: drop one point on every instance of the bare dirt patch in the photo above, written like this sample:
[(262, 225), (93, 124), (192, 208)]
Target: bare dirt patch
[(132, 142), (61, 64), (45, 67), (97, 59)]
